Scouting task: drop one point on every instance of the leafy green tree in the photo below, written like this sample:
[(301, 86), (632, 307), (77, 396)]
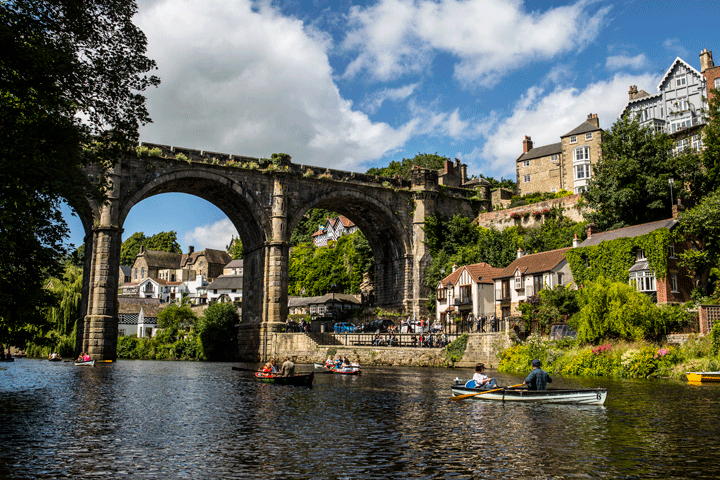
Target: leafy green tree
[(218, 332), (175, 318), (405, 166), (64, 314), (615, 310), (502, 183), (236, 249), (711, 141), (700, 226), (309, 225), (163, 241), (71, 81), (557, 231), (630, 183)]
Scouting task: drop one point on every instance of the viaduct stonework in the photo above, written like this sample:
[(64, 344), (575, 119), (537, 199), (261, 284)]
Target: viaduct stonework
[(265, 200)]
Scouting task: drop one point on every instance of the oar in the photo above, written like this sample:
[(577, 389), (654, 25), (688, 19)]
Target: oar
[(462, 397)]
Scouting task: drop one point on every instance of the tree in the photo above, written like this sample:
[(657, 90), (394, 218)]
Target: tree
[(630, 183), (404, 167), (711, 141), (68, 290), (502, 183), (218, 332), (309, 225), (71, 77), (700, 226), (236, 249), (163, 241), (175, 318)]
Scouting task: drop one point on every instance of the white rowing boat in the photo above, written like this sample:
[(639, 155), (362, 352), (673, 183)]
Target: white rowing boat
[(582, 396)]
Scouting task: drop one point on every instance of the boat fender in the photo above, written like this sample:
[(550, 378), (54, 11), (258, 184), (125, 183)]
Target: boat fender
[(470, 384)]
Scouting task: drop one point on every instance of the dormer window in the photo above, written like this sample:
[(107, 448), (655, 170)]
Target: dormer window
[(518, 282)]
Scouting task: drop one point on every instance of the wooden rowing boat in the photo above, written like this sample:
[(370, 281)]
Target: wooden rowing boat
[(301, 379), (703, 376), (584, 396), (90, 363), (354, 369)]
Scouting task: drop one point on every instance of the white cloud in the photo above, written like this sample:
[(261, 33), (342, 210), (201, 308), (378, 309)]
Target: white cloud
[(376, 99), (676, 48), (238, 77), (545, 115), (622, 62), (398, 37), (216, 235)]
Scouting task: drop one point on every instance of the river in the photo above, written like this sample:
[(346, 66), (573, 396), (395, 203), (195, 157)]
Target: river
[(167, 420)]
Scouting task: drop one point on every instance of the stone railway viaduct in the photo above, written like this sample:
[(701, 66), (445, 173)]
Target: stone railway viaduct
[(265, 200)]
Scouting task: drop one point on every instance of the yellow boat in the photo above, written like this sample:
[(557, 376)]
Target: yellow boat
[(703, 376)]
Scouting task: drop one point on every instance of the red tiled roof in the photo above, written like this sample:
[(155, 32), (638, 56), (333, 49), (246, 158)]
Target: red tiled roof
[(535, 263), (346, 221), (483, 272)]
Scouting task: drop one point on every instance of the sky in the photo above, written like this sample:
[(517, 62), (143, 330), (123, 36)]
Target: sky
[(357, 84)]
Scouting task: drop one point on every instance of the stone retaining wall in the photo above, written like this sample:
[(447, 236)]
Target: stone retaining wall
[(531, 215)]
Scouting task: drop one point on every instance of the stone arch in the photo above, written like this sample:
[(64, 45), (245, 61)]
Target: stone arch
[(390, 242), (242, 208)]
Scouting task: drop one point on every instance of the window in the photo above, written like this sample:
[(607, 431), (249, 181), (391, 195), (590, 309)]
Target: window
[(674, 283), (560, 278), (555, 158), (526, 163), (643, 281), (717, 83), (680, 82), (588, 136), (573, 139), (142, 272), (465, 293), (518, 282), (581, 189), (582, 171), (581, 154), (639, 255), (696, 142), (538, 283), (682, 144), (526, 178), (553, 190), (671, 250), (441, 294)]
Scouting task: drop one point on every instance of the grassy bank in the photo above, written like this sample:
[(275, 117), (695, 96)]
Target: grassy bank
[(613, 359)]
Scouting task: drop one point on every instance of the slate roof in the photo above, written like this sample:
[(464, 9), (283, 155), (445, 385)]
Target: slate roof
[(238, 263), (327, 298), (218, 257), (226, 282), (628, 232), (544, 151), (535, 263), (585, 127), (156, 258)]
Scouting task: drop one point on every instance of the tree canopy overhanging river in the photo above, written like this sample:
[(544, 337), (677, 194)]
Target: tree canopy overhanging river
[(150, 419)]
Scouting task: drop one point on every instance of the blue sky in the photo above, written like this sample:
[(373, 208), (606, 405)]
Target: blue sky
[(354, 85)]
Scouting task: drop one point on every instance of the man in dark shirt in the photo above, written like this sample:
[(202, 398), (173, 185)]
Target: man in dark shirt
[(538, 378)]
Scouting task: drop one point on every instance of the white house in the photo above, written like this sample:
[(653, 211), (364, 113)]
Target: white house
[(138, 319), (189, 289), (467, 291), (526, 276), (333, 229), (161, 289), (225, 288)]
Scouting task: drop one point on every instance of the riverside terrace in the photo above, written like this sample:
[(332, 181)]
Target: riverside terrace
[(265, 199)]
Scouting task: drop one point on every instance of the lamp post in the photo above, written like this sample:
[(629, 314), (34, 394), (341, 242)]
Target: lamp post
[(671, 181)]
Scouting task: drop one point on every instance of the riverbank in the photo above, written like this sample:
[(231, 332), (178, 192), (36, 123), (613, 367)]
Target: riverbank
[(618, 359)]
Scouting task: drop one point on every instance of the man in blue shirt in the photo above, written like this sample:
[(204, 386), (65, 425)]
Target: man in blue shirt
[(538, 378)]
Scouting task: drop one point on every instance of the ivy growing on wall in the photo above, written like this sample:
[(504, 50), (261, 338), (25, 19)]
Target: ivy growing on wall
[(612, 259)]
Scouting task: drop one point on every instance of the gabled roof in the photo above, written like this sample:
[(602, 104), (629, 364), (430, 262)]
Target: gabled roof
[(327, 298), (482, 272), (628, 232), (159, 259), (237, 263), (535, 263), (451, 279), (126, 270), (347, 223), (585, 127), (672, 67), (543, 151), (226, 282), (218, 257)]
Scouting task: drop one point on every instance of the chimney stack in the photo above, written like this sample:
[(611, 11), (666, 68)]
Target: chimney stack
[(593, 118), (633, 92), (591, 228), (576, 242), (191, 249), (520, 252), (527, 144), (706, 60), (677, 208), (449, 167)]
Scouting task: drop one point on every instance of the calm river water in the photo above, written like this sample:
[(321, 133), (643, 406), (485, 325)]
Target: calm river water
[(144, 419)]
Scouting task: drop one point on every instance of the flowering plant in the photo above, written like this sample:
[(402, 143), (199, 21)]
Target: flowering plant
[(661, 352), (602, 348)]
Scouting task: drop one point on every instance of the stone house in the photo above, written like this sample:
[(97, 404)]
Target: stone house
[(235, 267), (225, 288), (674, 287), (149, 263), (566, 165), (678, 106), (322, 306), (526, 276), (178, 267), (467, 292)]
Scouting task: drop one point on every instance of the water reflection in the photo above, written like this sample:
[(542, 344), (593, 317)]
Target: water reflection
[(138, 419)]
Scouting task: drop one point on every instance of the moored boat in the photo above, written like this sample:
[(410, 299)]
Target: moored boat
[(353, 369), (583, 396), (301, 379), (89, 363), (703, 376)]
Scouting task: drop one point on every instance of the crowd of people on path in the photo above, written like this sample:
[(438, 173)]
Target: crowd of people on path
[(291, 326)]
